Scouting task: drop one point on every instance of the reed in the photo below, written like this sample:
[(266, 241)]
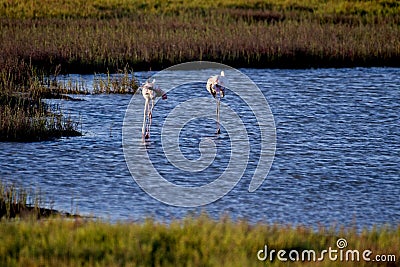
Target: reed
[(105, 36), (18, 203), (11, 201), (23, 114), (124, 82), (33, 124)]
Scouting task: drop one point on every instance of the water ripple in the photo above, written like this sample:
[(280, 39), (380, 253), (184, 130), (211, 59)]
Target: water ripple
[(337, 156)]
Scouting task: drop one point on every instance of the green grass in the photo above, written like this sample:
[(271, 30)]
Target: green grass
[(121, 8), (197, 241), (31, 235)]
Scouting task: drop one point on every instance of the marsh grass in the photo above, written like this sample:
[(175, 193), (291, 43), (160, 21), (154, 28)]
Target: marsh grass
[(29, 119), (124, 82), (19, 203), (63, 239), (24, 116), (22, 125), (85, 46), (193, 241), (104, 36), (104, 9)]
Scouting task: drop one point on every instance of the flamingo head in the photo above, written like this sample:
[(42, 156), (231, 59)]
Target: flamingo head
[(164, 97)]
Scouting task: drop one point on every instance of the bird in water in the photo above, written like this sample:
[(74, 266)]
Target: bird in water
[(150, 92), (216, 86)]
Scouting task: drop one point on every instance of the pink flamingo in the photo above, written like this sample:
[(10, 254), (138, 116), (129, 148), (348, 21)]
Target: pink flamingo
[(150, 92), (216, 86)]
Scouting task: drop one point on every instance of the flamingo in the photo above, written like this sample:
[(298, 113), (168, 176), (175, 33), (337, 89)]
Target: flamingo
[(150, 92), (216, 86)]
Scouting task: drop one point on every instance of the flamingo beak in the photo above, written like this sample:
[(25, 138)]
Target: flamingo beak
[(164, 96)]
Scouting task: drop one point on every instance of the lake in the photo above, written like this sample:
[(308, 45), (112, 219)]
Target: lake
[(337, 156)]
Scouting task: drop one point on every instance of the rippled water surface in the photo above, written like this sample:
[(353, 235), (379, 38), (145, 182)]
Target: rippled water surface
[(337, 157)]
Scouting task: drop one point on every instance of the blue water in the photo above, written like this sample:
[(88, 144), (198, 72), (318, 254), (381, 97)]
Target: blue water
[(337, 157)]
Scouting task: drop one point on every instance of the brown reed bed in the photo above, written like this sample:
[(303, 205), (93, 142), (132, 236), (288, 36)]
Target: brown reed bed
[(260, 34), (89, 45)]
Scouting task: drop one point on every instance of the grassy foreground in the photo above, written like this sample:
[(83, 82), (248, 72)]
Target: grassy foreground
[(35, 236), (190, 242)]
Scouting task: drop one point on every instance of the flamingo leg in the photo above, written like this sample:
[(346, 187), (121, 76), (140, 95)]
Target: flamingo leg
[(149, 117), (218, 127), (144, 127)]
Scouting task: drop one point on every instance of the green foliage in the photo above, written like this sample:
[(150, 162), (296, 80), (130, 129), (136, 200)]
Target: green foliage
[(197, 241), (130, 8)]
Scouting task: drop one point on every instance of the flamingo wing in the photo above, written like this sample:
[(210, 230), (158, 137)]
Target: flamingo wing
[(217, 80), (211, 82)]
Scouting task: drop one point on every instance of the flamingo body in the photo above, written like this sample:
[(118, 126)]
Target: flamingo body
[(216, 86), (150, 92)]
